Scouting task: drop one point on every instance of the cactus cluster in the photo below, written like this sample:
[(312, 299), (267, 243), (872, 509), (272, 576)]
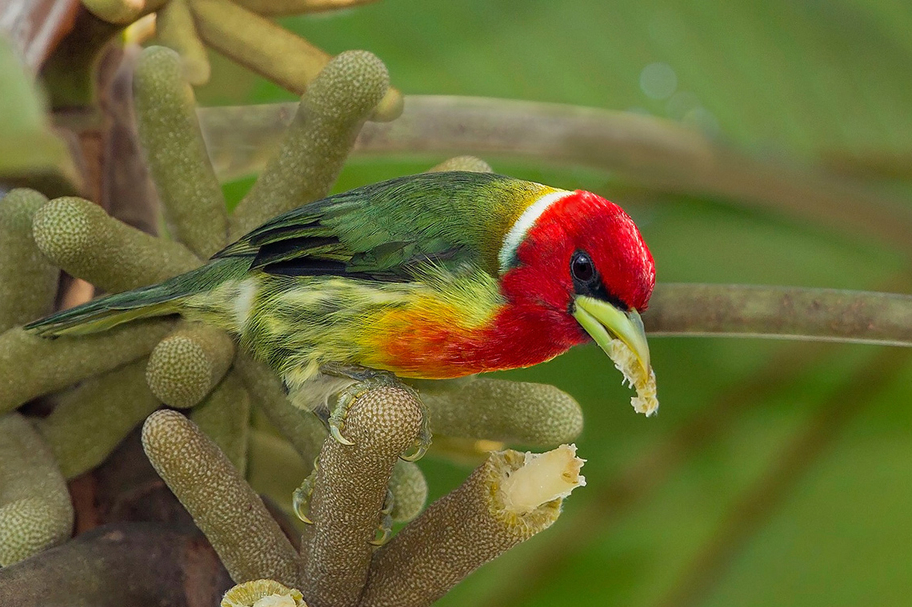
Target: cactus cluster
[(237, 434), (243, 31)]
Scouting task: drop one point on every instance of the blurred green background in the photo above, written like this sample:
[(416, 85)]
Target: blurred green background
[(776, 473)]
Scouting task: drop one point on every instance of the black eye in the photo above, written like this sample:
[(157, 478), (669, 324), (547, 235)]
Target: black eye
[(581, 267), (586, 281)]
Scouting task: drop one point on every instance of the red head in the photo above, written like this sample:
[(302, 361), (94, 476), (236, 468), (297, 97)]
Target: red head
[(574, 256)]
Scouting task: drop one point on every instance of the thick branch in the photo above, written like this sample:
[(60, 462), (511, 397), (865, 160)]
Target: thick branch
[(137, 564), (783, 312)]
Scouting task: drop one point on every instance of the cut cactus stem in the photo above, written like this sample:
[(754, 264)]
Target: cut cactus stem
[(542, 478)]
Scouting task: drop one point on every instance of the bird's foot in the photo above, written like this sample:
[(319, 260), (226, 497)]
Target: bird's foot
[(422, 441), (301, 503), (385, 529), (365, 381), (300, 499)]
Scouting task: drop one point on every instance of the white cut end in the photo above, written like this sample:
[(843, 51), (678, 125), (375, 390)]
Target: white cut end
[(543, 477), (263, 593), (276, 600), (627, 363)]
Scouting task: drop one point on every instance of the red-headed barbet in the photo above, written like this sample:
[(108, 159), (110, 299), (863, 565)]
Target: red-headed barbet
[(437, 275)]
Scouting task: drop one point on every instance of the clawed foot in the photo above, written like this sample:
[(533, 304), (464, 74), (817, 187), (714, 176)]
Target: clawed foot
[(422, 441), (301, 503), (386, 521), (365, 380), (300, 499)]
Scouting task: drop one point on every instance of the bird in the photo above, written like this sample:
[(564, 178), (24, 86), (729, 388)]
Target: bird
[(431, 276)]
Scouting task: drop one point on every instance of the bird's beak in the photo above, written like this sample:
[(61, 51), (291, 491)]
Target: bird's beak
[(603, 322)]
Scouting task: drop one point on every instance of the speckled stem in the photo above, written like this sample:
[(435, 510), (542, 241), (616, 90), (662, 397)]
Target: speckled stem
[(275, 53), (91, 420), (234, 519), (187, 364), (251, 40), (28, 282), (349, 490), (81, 238), (305, 435), (31, 366), (780, 312), (453, 537), (166, 113), (507, 411), (462, 163), (35, 508), (225, 418), (318, 141), (175, 29)]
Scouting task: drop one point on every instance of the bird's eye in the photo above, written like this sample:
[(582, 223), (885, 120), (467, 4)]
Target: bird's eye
[(581, 267)]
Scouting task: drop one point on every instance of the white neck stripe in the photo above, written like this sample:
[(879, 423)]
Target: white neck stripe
[(523, 224)]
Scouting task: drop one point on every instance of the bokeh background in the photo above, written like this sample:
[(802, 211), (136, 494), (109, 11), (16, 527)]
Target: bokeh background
[(777, 473)]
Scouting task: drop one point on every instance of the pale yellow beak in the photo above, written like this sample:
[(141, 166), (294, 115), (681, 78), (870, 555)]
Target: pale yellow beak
[(603, 322)]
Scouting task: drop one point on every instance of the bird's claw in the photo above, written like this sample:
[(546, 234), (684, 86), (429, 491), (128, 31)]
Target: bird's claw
[(385, 529), (420, 451), (336, 431), (422, 441), (384, 532), (365, 381), (300, 499)]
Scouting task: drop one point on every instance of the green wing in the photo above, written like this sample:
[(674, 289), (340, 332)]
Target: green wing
[(382, 231)]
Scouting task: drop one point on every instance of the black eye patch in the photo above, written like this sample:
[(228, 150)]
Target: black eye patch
[(587, 281)]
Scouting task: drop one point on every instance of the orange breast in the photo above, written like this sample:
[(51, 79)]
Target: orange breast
[(433, 340), (430, 339)]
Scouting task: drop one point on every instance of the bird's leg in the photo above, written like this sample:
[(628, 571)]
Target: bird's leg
[(364, 380), (358, 373)]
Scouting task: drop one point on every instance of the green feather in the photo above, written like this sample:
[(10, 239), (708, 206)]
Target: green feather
[(156, 300), (386, 228)]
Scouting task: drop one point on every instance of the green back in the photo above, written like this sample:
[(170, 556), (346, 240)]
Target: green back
[(384, 229)]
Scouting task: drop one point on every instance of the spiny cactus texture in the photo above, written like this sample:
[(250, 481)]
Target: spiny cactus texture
[(240, 435)]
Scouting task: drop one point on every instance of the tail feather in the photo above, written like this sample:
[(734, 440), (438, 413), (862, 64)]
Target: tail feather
[(103, 313), (157, 300)]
